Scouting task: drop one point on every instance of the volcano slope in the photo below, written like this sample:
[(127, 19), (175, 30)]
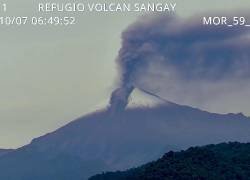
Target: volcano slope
[(103, 142)]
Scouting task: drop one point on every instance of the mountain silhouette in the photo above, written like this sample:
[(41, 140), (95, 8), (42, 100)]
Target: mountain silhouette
[(101, 142)]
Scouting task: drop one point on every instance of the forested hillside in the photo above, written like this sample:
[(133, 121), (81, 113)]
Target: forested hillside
[(222, 161)]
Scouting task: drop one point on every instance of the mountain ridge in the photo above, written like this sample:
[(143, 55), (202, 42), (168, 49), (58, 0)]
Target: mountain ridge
[(101, 142)]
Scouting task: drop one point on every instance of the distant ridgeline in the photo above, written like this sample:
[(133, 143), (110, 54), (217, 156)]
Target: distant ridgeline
[(222, 161)]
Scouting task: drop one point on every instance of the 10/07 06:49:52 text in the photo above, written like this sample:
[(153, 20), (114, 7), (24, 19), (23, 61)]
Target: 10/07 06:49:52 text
[(37, 21)]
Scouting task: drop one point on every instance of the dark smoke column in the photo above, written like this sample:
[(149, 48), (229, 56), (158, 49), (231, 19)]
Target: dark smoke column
[(119, 99), (126, 61), (130, 58)]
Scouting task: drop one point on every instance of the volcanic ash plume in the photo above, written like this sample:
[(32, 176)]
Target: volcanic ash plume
[(165, 51), (119, 98)]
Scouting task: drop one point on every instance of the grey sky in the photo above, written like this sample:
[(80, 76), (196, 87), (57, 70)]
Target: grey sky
[(50, 76)]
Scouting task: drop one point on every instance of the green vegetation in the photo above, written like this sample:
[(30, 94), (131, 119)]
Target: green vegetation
[(223, 161)]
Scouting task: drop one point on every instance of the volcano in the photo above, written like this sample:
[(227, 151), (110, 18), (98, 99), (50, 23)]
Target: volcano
[(99, 142)]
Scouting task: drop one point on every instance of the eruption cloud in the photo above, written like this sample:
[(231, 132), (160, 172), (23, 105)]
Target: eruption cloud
[(164, 53)]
